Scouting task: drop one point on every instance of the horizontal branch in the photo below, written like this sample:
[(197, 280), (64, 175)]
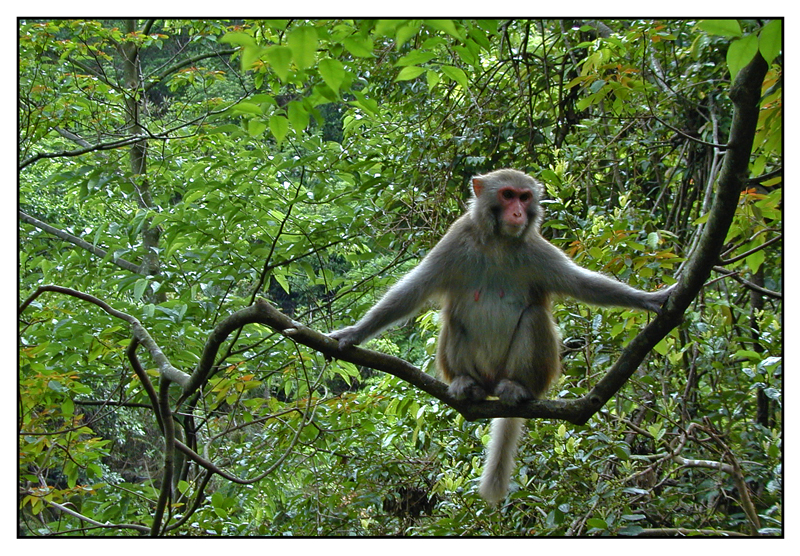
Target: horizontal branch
[(75, 240), (746, 283), (83, 150), (77, 515)]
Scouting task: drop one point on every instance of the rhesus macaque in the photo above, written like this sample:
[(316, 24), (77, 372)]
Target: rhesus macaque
[(494, 276)]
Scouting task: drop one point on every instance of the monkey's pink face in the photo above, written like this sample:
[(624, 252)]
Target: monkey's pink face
[(514, 203)]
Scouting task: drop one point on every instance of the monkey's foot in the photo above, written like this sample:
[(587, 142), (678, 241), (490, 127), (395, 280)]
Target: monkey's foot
[(512, 392), (465, 388)]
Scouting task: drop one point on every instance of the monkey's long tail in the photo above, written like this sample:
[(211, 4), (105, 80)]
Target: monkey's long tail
[(500, 456)]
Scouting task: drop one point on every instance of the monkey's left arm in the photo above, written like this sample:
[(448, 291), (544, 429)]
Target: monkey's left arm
[(597, 289)]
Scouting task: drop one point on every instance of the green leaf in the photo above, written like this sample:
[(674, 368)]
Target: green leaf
[(721, 27), (281, 279), (138, 288), (246, 108), (770, 39), (405, 32), (755, 260), (415, 57), (227, 128), (433, 79), (597, 523), (457, 75), (359, 46), (662, 347), (256, 127), (298, 116), (56, 386), (249, 56), (409, 72), (445, 25), (387, 27), (279, 126), (192, 196), (741, 53), (279, 57), (303, 42), (332, 72), (238, 38), (368, 104)]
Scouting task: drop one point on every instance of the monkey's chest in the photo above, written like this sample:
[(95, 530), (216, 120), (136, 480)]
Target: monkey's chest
[(482, 323), (487, 312)]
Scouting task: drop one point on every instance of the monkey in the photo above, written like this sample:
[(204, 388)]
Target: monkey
[(494, 275)]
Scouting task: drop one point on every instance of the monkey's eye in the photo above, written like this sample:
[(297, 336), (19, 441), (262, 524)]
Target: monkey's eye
[(508, 194), (525, 197)]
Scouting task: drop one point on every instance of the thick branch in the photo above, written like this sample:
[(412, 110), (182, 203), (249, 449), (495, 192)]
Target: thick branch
[(745, 93), (122, 263)]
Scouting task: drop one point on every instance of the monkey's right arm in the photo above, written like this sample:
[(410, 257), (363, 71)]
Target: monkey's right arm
[(401, 301)]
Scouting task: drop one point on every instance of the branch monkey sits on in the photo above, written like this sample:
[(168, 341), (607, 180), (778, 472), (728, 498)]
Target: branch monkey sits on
[(494, 276)]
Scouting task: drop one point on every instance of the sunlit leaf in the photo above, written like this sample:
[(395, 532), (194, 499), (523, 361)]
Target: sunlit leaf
[(741, 53), (303, 42), (770, 40), (409, 72), (279, 126), (279, 57), (722, 27), (332, 72)]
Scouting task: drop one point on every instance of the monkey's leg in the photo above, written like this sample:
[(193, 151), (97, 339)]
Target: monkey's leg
[(533, 361), (453, 357)]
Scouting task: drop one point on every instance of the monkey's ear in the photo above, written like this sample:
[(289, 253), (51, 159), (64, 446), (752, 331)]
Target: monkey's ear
[(477, 186)]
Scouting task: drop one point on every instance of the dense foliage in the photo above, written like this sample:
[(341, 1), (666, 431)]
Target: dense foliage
[(178, 170)]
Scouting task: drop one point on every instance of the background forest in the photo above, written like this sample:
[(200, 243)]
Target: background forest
[(172, 173)]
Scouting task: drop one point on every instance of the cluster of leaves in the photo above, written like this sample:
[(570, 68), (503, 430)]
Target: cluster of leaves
[(312, 162)]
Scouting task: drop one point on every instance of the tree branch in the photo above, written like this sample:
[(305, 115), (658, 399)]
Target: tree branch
[(83, 150), (157, 79), (122, 263), (746, 283), (745, 94), (739, 257), (165, 368), (263, 313)]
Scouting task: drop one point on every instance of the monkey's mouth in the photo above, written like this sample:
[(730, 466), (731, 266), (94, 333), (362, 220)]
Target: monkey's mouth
[(513, 230)]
